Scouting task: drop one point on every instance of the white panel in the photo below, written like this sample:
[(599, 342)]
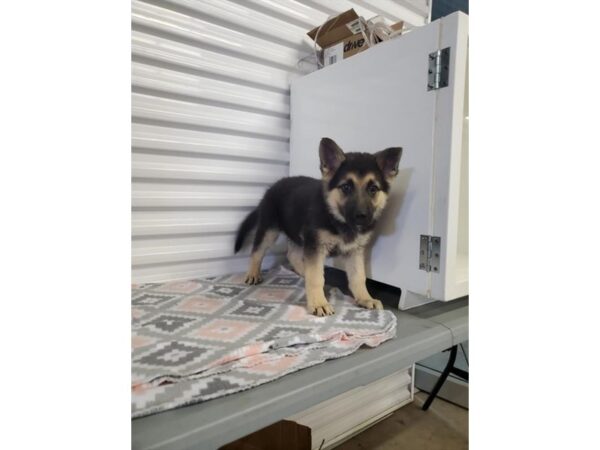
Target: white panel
[(411, 12), (336, 420), (239, 15), (334, 7), (159, 223), (208, 195), (182, 248), (175, 139), (210, 132), (200, 169), (294, 10), (210, 62), (367, 110), (197, 268), (205, 32), (198, 114), (396, 12), (453, 279), (152, 251), (202, 88), (422, 7), (425, 199)]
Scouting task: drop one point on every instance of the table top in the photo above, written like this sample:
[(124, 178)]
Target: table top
[(421, 332)]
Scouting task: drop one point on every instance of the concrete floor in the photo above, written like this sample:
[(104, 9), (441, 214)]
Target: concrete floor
[(443, 427)]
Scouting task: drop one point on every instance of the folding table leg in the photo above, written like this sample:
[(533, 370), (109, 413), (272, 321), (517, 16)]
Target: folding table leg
[(440, 382)]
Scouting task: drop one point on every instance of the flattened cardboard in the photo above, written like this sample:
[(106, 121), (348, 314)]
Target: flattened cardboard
[(334, 30)]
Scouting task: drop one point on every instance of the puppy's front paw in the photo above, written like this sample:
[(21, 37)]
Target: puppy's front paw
[(321, 308), (253, 277), (370, 303)]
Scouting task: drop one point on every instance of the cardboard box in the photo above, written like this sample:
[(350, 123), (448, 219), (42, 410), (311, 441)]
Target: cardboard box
[(340, 37), (345, 49), (334, 30)]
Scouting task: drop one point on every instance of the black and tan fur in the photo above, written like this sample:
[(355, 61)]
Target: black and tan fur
[(334, 216)]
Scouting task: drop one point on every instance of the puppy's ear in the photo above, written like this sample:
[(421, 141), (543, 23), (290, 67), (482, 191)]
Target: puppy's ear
[(388, 161), (331, 156)]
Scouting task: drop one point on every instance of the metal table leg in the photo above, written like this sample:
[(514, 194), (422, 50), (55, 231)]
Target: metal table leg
[(444, 376)]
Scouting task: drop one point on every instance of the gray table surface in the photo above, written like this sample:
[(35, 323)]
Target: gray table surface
[(421, 332)]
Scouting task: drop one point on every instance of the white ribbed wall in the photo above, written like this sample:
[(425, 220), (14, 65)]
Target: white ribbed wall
[(210, 107)]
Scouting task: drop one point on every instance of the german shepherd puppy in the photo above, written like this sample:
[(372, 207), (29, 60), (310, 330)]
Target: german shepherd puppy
[(334, 216)]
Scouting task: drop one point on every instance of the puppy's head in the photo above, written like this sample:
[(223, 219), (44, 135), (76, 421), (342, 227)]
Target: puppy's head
[(356, 185)]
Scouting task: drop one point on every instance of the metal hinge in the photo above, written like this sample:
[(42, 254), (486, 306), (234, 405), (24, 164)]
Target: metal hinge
[(439, 69), (429, 253)]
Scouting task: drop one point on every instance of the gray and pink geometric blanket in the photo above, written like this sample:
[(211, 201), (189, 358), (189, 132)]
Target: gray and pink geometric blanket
[(201, 339)]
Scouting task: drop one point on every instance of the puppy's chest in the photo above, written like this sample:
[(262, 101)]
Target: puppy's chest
[(335, 245)]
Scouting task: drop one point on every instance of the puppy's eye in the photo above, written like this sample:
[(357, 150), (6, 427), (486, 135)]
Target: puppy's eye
[(372, 189), (346, 188)]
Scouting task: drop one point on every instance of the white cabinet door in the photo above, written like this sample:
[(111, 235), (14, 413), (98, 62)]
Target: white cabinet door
[(450, 177), (380, 99)]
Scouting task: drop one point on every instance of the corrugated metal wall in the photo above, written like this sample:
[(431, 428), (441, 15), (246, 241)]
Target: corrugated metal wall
[(210, 107)]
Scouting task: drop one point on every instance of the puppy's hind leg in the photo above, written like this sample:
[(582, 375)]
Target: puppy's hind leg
[(295, 255), (263, 240)]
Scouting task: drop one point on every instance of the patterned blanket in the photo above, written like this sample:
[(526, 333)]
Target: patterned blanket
[(201, 339)]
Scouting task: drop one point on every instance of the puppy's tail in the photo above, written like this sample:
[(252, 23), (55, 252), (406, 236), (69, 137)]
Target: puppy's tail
[(247, 225)]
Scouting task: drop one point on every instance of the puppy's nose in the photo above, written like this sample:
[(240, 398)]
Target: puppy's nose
[(360, 217)]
